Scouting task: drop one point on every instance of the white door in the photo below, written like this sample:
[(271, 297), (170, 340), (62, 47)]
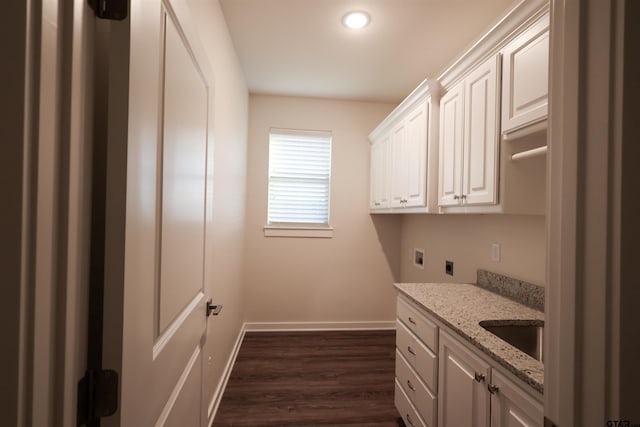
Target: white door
[(451, 127), (525, 83), (155, 315), (416, 155), (384, 177), (380, 173), (513, 407), (481, 141), (398, 166), (374, 174), (463, 399)]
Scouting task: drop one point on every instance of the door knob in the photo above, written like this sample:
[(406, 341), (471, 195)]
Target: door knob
[(212, 308)]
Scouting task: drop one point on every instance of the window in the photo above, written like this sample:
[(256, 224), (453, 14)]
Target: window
[(299, 183)]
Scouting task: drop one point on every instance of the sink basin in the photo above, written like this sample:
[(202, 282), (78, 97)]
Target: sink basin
[(525, 335)]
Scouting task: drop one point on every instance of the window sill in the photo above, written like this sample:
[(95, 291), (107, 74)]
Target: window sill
[(292, 231)]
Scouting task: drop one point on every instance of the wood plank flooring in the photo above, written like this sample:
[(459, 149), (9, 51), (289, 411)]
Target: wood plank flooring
[(336, 378)]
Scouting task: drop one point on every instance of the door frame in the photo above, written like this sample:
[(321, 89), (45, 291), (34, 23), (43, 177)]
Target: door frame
[(568, 286), (591, 371), (52, 144)]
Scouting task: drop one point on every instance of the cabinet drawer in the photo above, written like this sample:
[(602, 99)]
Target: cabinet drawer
[(421, 359), (418, 324), (406, 409), (419, 394)]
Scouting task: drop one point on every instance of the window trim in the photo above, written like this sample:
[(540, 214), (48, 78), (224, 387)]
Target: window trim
[(296, 231), (300, 229)]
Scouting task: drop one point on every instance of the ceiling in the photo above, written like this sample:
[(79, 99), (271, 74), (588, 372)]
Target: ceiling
[(301, 48)]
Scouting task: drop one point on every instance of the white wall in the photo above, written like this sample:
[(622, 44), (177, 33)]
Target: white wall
[(466, 240), (347, 278), (224, 266)]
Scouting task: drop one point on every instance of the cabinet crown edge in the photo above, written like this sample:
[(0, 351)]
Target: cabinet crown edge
[(513, 23), (429, 88)]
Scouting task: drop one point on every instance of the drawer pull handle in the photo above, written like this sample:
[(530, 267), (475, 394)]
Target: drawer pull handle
[(410, 350), (411, 320), (409, 420), (493, 389), (410, 386), (479, 377)]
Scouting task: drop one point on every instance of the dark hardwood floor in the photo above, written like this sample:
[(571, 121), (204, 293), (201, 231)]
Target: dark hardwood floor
[(337, 378)]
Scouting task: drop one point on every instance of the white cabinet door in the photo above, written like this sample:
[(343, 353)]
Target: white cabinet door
[(374, 172), (462, 393), (409, 131), (415, 156), (398, 167), (469, 139), (380, 174), (526, 77), (451, 127), (481, 141), (512, 407)]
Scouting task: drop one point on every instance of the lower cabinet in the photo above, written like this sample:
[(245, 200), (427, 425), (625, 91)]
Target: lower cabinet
[(512, 407), (474, 393), (416, 390), (441, 381), (464, 400), (416, 366), (406, 409)]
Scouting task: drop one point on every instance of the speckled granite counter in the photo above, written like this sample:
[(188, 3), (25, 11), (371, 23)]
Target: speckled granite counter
[(462, 306)]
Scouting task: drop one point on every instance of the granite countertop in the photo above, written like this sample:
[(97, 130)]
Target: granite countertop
[(462, 306)]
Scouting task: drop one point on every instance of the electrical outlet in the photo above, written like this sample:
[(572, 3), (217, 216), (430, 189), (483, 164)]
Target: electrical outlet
[(418, 258), (495, 252), (448, 268)]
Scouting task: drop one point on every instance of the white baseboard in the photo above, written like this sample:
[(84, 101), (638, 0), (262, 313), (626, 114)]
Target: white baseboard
[(317, 326), (222, 385)]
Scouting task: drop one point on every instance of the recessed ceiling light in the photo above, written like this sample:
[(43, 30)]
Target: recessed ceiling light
[(356, 20)]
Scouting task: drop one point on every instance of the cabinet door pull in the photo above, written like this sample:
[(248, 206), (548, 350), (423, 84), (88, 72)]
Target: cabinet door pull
[(479, 377), (410, 385), (411, 320), (456, 197), (493, 389), (409, 420), (410, 350)]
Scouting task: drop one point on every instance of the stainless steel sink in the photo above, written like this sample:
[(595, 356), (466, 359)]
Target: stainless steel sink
[(525, 335)]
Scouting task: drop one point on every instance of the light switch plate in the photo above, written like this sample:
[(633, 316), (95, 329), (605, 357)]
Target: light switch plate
[(495, 252)]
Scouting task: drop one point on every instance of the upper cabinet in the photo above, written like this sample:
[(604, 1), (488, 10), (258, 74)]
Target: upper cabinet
[(410, 143), (380, 172), (472, 140), (492, 119), (451, 128), (525, 77), (469, 138), (402, 148)]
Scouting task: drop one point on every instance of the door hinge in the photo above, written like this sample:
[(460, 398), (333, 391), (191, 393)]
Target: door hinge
[(97, 396), (110, 9)]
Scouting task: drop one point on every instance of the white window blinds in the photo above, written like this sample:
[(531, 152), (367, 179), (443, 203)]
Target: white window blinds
[(299, 177)]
